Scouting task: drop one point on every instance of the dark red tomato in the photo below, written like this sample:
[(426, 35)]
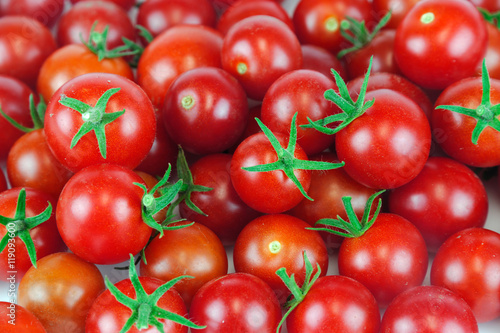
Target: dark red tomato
[(394, 82), (30, 163), (492, 55), (226, 213), (177, 50), (453, 131), (14, 102), (389, 258), (327, 189), (71, 61), (319, 59), (46, 238), (25, 44), (490, 5), (17, 319), (381, 48), (317, 22), (246, 8), (267, 192), (444, 198), (205, 110), (45, 11), (388, 145), (128, 138), (300, 91), (107, 315), (398, 8), (439, 42), (236, 302), (252, 126), (61, 291), (335, 304), (159, 15), (278, 240), (102, 198), (428, 309), (76, 23), (195, 251), (3, 181), (258, 50), (125, 4), (468, 264)]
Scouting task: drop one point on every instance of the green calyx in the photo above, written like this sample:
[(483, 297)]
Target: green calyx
[(152, 205), (286, 159), (298, 293), (94, 118), (37, 113), (135, 49), (20, 225), (357, 34), (145, 311), (353, 227), (350, 109), (486, 113), (493, 18)]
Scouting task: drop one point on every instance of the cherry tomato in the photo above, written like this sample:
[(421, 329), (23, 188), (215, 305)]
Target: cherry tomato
[(398, 8), (319, 59), (16, 316), (61, 291), (46, 12), (237, 302), (492, 55), (3, 181), (125, 4)]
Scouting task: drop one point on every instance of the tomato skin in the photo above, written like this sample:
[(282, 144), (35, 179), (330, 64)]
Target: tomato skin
[(367, 137), (492, 56), (335, 304), (103, 198), (319, 59), (465, 264), (388, 259), (30, 163), (125, 144), (278, 240), (16, 316), (125, 4), (3, 181), (46, 12), (218, 305), (428, 309), (267, 192), (205, 110), (460, 203), (195, 251), (433, 62), (176, 50), (398, 8), (45, 236), (251, 47), (107, 315), (49, 291)]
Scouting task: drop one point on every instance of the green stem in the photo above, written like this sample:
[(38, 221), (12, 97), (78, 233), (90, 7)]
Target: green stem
[(37, 113)]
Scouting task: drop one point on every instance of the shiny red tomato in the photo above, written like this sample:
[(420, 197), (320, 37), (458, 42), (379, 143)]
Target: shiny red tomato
[(3, 181), (46, 12), (492, 55), (125, 4), (18, 319), (398, 8), (319, 59)]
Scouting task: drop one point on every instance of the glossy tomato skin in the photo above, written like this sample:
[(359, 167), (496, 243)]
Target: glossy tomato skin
[(278, 240), (72, 60), (319, 59), (107, 315), (21, 36), (251, 47), (226, 213), (176, 50), (103, 198), (398, 8), (300, 91), (125, 4), (195, 251), (76, 23), (128, 139), (17, 318), (460, 203), (218, 304), (453, 131), (46, 12), (14, 101), (3, 181), (61, 291), (388, 259), (45, 236), (317, 22), (465, 264), (388, 145), (433, 62), (492, 56), (30, 163), (335, 304), (267, 192), (205, 110), (428, 309)]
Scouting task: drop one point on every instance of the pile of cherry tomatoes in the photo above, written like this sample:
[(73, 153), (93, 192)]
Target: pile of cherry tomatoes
[(249, 166)]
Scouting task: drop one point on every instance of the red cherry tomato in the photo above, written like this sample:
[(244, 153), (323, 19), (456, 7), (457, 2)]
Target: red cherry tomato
[(46, 12), (16, 316)]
